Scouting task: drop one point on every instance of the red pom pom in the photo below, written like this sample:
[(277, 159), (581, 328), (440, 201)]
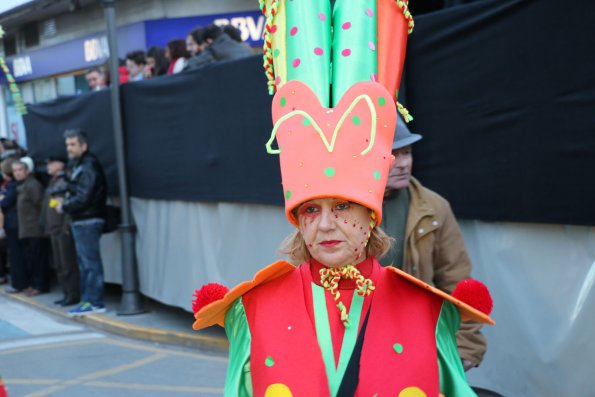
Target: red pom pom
[(207, 294), (475, 294)]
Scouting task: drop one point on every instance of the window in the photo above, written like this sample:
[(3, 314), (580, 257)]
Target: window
[(10, 45), (31, 34)]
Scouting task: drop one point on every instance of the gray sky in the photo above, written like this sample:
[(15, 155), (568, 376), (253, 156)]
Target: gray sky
[(6, 5)]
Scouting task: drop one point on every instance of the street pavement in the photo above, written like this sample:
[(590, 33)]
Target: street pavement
[(45, 353)]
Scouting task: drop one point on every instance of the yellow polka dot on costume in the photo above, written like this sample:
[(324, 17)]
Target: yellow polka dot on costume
[(412, 392), (278, 390)]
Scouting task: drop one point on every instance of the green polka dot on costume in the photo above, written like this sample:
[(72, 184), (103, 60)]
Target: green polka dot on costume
[(276, 52), (356, 120), (381, 101), (288, 195), (269, 362), (306, 122), (283, 102), (376, 174), (398, 348), (329, 171)]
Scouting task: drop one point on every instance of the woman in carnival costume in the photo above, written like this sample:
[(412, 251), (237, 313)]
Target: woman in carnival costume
[(339, 324)]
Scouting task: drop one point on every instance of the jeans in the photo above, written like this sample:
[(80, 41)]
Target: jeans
[(86, 235)]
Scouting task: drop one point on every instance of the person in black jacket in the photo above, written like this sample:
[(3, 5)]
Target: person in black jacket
[(85, 202)]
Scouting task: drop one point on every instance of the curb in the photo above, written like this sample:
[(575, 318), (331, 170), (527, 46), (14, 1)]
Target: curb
[(105, 323)]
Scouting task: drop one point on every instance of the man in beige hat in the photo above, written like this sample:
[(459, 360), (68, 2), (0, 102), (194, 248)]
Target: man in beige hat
[(429, 244)]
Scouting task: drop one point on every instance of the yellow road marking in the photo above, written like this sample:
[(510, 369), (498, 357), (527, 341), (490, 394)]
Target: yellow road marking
[(131, 345), (14, 381), (122, 368), (137, 386), (96, 375), (46, 346)]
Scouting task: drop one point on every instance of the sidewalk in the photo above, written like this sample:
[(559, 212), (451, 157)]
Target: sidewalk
[(160, 323)]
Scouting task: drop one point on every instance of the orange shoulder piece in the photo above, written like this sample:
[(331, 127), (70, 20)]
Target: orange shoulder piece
[(214, 313), (467, 312)]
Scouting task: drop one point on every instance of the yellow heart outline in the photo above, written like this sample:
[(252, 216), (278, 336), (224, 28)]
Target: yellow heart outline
[(329, 147)]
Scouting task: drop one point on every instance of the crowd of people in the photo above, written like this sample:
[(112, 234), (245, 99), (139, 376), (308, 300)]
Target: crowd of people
[(53, 217), (202, 46), (47, 221)]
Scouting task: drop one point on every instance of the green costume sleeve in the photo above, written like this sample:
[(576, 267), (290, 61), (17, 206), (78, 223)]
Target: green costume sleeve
[(452, 376), (238, 382)]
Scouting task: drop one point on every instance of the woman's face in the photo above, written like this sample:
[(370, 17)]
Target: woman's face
[(335, 231)]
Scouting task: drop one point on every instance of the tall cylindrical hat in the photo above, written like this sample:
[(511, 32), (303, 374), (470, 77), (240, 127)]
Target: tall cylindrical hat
[(335, 68)]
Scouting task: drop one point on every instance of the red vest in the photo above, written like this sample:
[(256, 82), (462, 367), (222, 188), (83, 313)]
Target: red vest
[(399, 348)]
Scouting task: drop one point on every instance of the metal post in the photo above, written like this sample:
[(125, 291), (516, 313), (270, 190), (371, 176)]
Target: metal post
[(131, 302)]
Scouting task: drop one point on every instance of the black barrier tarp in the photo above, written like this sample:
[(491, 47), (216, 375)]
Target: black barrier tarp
[(504, 94), (200, 136), (46, 122), (194, 136)]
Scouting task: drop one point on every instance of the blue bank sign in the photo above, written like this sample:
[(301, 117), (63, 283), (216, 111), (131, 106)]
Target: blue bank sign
[(93, 50)]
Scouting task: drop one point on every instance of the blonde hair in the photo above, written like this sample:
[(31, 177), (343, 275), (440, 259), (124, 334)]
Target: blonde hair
[(297, 252)]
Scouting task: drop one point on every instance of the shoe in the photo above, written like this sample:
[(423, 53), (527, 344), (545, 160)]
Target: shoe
[(34, 292), (86, 308), (11, 290), (60, 301), (69, 302)]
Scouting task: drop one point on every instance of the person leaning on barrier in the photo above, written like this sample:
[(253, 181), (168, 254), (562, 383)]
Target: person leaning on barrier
[(218, 46), (429, 244), (194, 42), (157, 63), (96, 79), (85, 203), (177, 55), (136, 63)]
